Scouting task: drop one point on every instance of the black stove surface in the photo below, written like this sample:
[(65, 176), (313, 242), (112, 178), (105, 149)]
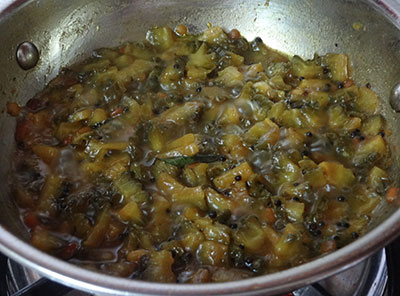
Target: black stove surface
[(379, 275)]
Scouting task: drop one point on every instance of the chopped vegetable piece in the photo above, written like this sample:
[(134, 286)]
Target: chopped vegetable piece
[(97, 235), (392, 194), (252, 236), (368, 101), (217, 201), (46, 153), (212, 253), (182, 161), (181, 194), (263, 132), (131, 212), (294, 210), (230, 77), (159, 268), (305, 69), (336, 174), (13, 109), (339, 65), (244, 170)]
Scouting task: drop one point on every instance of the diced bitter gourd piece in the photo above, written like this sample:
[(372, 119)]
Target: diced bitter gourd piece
[(192, 213), (365, 201), (287, 170), (233, 145), (336, 174), (368, 101), (276, 111), (161, 37), (313, 118), (98, 233), (217, 201), (212, 253), (98, 149), (184, 146), (48, 195), (156, 139), (123, 61), (237, 60), (315, 84), (377, 179), (137, 70), (339, 120), (181, 194), (319, 99), (161, 166), (67, 128), (195, 174), (230, 77), (370, 150), (138, 50), (136, 255), (98, 65), (46, 153), (45, 240), (305, 69), (170, 75), (251, 235), (178, 115), (227, 179), (200, 59), (339, 64), (161, 220), (230, 116), (315, 177), (375, 144), (294, 210), (116, 165), (159, 268), (130, 189), (263, 132), (195, 73), (213, 35), (373, 125), (192, 240), (262, 87), (337, 117), (289, 244), (294, 138), (255, 69), (131, 212), (346, 95), (294, 118), (214, 231), (80, 115), (99, 115), (307, 164)]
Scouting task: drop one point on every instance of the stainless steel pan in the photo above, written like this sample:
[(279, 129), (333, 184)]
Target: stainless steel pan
[(66, 31)]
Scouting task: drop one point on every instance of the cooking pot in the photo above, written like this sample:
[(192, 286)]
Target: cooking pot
[(66, 31)]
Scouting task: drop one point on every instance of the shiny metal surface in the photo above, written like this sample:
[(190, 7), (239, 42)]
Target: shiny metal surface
[(27, 55), (367, 278), (66, 31), (395, 98)]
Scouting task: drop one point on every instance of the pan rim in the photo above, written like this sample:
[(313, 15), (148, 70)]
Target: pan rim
[(282, 281)]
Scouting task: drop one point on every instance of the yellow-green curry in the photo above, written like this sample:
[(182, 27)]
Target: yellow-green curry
[(199, 158)]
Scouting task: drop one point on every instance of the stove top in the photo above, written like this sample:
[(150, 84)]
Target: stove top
[(375, 276)]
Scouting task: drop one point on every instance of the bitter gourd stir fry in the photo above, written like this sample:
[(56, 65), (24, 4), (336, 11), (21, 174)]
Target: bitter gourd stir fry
[(199, 158)]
